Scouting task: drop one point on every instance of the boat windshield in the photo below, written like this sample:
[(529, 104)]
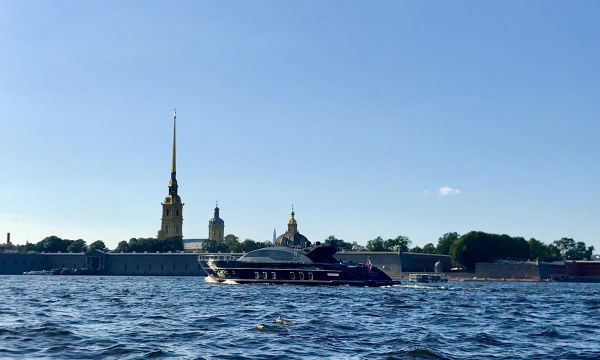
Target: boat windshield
[(276, 255)]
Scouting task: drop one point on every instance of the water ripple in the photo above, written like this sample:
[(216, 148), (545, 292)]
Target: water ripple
[(184, 317)]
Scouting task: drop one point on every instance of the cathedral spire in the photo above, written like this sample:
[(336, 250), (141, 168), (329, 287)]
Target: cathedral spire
[(172, 214), (173, 182), (174, 163)]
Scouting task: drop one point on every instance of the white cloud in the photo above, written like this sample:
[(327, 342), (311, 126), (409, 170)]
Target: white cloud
[(448, 191)]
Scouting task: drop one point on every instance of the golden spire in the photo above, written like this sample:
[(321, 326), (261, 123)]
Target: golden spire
[(292, 220), (174, 164)]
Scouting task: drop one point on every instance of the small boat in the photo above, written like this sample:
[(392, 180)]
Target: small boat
[(42, 272), (427, 278), (313, 265)]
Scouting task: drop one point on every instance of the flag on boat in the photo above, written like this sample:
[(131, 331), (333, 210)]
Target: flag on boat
[(369, 265)]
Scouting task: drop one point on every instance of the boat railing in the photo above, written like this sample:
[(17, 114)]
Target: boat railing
[(218, 257)]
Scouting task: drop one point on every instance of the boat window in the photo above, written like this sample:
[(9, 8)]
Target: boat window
[(273, 275), (256, 276), (292, 275), (301, 275), (265, 275), (310, 276)]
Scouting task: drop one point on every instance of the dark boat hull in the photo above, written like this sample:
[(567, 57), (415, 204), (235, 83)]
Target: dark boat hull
[(295, 273)]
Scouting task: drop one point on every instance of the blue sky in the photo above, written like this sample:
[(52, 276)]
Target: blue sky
[(374, 118)]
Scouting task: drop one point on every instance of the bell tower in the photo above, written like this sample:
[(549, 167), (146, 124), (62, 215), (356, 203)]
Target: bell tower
[(172, 208), (216, 226)]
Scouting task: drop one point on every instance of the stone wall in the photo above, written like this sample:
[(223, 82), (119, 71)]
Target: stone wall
[(17, 263), (161, 264), (417, 262), (508, 270)]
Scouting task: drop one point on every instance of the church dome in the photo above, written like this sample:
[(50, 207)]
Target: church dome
[(292, 238)]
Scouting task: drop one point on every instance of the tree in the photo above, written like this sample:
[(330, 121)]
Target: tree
[(543, 252), (477, 246), (174, 243), (97, 245), (416, 249), (52, 244), (429, 248), (214, 246), (571, 250), (376, 244), (339, 243), (77, 246), (122, 247), (445, 243), (357, 247), (250, 245), (400, 244), (231, 239)]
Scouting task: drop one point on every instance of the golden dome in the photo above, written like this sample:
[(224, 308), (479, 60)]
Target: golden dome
[(292, 220)]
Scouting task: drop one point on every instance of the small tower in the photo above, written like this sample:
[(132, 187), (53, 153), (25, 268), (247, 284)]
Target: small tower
[(172, 208), (216, 226), (292, 224)]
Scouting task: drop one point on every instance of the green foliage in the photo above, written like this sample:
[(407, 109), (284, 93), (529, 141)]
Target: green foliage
[(231, 244), (477, 246), (231, 241), (400, 243), (140, 245), (571, 250), (97, 245), (543, 252), (429, 249), (339, 243), (445, 243), (214, 246), (77, 246), (376, 244), (416, 249), (123, 246)]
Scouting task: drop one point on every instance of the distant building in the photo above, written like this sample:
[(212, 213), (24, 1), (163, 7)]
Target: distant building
[(292, 238), (172, 208), (216, 227), (193, 245)]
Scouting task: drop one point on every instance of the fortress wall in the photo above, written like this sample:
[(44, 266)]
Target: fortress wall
[(18, 263), (417, 262), (63, 261), (508, 270), (176, 264)]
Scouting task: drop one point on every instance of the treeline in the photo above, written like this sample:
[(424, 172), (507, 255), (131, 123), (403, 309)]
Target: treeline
[(53, 244), (232, 243), (140, 245), (477, 246)]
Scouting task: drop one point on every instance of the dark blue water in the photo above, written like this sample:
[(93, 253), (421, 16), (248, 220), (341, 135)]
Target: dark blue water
[(69, 317)]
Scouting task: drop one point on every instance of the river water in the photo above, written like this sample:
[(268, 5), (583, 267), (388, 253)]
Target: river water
[(80, 317)]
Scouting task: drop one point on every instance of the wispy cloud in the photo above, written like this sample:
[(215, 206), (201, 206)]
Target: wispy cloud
[(449, 191)]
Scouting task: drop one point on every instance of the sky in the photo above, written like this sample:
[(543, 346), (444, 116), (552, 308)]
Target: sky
[(374, 119)]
